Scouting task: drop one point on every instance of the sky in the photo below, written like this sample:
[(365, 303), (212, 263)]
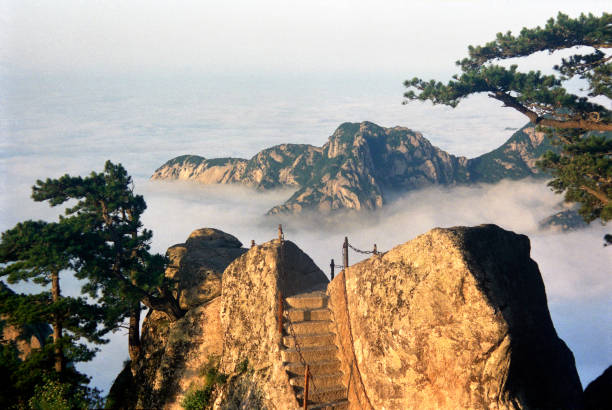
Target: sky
[(267, 35), (141, 82)]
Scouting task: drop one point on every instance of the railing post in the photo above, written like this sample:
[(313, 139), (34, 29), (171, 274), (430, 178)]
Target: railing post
[(306, 372), (375, 251), (345, 252), (280, 313), (332, 265), (252, 243)]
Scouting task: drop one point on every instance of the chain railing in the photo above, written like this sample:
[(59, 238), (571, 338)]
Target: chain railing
[(345, 257), (284, 314), (298, 349)]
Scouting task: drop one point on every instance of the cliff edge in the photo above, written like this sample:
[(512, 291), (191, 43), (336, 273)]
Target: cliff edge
[(455, 318)]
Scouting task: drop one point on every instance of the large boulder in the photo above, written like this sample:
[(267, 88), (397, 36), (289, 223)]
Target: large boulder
[(456, 318), (197, 264), (173, 353)]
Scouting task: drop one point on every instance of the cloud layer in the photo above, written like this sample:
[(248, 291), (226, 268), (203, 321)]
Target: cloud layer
[(72, 124)]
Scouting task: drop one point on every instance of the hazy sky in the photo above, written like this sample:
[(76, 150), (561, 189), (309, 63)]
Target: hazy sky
[(265, 35)]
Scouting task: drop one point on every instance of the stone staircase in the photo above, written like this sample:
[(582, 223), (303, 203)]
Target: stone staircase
[(311, 323)]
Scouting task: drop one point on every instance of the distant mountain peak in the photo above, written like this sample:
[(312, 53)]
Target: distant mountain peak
[(358, 164)]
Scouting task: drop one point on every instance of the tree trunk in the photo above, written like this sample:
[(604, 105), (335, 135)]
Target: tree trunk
[(134, 333), (57, 324)]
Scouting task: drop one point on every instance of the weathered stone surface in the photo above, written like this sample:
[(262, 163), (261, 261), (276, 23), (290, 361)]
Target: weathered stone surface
[(456, 318), (249, 313), (598, 394), (198, 263), (173, 352)]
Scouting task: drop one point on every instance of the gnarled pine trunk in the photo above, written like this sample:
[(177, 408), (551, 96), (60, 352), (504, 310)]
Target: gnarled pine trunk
[(57, 324), (134, 333)]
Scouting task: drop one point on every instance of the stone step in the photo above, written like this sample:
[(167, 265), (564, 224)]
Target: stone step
[(307, 301), (320, 380), (308, 327), (311, 339), (322, 394), (334, 405), (309, 354), (300, 315), (316, 367)]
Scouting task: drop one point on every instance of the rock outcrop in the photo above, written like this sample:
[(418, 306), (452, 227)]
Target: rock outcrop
[(359, 166), (456, 318), (173, 353), (515, 159), (27, 337), (232, 301), (598, 394), (249, 317)]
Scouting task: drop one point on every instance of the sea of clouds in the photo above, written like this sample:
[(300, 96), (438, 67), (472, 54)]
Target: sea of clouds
[(55, 125)]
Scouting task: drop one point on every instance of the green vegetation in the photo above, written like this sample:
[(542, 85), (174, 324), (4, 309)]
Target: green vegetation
[(40, 252), (215, 162), (200, 398), (504, 163), (34, 383), (101, 240), (111, 251), (55, 395), (582, 166)]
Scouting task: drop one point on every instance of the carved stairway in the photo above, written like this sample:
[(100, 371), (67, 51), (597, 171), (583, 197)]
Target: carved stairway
[(308, 321)]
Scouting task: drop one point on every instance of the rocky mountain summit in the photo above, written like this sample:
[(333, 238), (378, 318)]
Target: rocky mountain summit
[(359, 166), (455, 318)]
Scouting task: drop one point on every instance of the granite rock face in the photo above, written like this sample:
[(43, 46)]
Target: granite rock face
[(173, 353), (249, 315), (359, 166), (237, 324), (563, 221), (198, 263), (456, 318)]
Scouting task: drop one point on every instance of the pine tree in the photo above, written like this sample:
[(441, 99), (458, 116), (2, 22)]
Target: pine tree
[(113, 253), (580, 124), (38, 251)]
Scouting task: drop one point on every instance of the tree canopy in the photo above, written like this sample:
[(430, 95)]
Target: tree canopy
[(542, 98), (113, 252), (101, 240), (580, 124), (40, 251)]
